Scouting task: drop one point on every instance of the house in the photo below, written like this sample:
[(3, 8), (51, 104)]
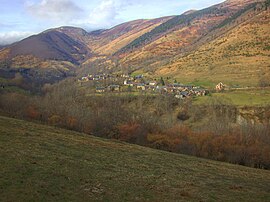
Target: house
[(220, 87), (141, 86), (85, 78), (125, 76), (200, 92), (138, 77), (169, 88), (100, 89), (152, 83), (184, 94), (90, 77), (114, 88), (162, 89), (96, 78), (150, 88), (128, 83), (177, 85), (187, 87)]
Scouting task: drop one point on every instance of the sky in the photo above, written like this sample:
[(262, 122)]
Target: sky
[(22, 18)]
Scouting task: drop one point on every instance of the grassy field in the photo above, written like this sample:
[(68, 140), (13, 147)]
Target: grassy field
[(41, 163), (241, 97), (14, 89), (3, 80)]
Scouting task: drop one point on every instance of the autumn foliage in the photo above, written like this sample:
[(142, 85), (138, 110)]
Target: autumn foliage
[(235, 147), (32, 112), (157, 125)]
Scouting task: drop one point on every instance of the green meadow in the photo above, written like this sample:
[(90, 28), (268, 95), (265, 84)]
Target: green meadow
[(42, 163)]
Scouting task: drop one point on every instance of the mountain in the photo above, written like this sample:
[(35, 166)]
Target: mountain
[(237, 51), (49, 45), (185, 33), (2, 46), (65, 48), (211, 44), (44, 58), (73, 32), (109, 41), (38, 162), (168, 49)]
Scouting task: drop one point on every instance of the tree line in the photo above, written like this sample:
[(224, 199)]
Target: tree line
[(156, 121)]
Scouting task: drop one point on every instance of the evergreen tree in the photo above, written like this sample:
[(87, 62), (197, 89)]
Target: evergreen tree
[(162, 81)]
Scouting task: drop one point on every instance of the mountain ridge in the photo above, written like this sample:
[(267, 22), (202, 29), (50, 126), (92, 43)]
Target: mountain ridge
[(152, 46)]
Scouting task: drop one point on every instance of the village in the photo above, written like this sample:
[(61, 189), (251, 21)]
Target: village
[(107, 83)]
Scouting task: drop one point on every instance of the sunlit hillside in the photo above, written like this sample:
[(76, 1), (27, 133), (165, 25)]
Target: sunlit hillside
[(239, 56)]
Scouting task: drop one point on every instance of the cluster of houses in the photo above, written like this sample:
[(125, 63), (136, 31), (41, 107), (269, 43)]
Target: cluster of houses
[(98, 77), (127, 83), (110, 88), (182, 91)]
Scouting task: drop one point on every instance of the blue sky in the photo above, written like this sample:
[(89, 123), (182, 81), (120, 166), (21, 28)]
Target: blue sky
[(21, 18)]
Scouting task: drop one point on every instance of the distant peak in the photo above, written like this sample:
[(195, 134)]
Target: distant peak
[(237, 0), (65, 29), (189, 12), (243, 1)]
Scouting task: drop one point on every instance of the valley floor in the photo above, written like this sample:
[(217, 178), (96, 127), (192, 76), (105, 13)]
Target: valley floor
[(259, 97), (42, 163)]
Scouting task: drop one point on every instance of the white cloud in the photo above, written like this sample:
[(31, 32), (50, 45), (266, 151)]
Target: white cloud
[(11, 37), (105, 14), (98, 14), (113, 12), (54, 10)]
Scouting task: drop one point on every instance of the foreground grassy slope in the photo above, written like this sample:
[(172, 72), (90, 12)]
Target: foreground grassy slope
[(43, 163)]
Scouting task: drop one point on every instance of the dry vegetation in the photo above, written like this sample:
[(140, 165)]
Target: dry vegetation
[(209, 130), (110, 41), (240, 56), (234, 50)]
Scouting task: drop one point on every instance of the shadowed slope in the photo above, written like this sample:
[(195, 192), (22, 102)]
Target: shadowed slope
[(50, 45)]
